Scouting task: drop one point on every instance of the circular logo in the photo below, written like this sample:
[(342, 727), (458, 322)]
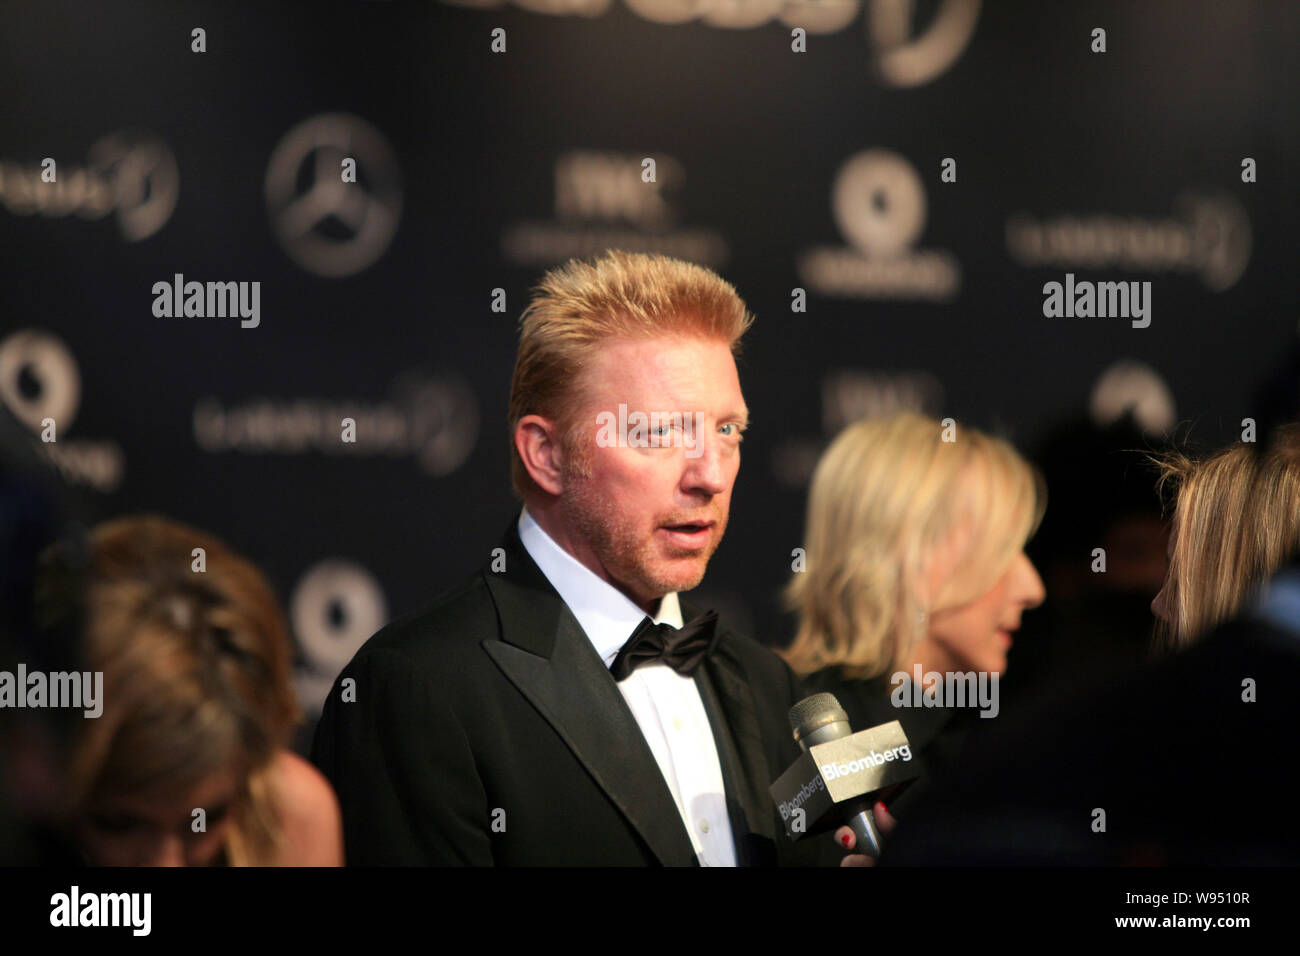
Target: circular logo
[(1129, 385), (331, 227), (39, 379), (879, 203), (336, 606)]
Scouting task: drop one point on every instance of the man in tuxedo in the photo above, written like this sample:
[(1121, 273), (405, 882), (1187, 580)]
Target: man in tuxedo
[(563, 706)]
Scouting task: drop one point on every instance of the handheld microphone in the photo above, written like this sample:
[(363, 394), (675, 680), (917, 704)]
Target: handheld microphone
[(833, 781)]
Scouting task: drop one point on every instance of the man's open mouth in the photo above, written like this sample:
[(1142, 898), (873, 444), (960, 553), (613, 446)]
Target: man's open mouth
[(690, 527)]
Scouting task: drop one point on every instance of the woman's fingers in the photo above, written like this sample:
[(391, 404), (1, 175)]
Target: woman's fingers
[(846, 838)]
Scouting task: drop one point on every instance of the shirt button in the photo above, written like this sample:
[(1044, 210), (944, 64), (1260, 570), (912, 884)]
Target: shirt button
[(704, 826), (677, 723)]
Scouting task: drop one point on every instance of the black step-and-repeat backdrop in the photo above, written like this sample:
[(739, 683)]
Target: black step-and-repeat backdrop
[(226, 228)]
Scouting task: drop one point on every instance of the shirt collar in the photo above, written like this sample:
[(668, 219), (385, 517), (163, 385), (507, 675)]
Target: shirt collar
[(607, 615)]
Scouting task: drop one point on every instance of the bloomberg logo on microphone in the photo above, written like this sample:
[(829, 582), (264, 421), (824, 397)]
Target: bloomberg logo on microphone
[(840, 770), (788, 807), (869, 761)]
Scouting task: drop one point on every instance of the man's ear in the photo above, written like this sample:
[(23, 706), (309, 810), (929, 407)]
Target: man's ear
[(538, 442)]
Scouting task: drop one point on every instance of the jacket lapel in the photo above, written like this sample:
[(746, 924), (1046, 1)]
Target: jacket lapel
[(544, 652), (729, 702)]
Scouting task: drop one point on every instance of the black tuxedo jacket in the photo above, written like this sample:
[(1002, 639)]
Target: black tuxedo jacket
[(486, 730)]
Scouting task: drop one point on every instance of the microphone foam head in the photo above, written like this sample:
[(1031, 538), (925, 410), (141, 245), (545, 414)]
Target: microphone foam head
[(814, 712)]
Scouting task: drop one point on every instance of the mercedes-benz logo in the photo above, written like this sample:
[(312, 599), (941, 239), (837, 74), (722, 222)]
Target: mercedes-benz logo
[(328, 226)]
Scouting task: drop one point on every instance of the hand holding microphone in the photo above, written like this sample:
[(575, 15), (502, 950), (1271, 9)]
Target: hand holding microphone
[(846, 838), (834, 782)]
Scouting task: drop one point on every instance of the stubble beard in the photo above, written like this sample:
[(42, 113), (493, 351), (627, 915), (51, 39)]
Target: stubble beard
[(620, 547)]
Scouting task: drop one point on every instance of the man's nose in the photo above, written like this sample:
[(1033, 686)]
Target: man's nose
[(704, 469)]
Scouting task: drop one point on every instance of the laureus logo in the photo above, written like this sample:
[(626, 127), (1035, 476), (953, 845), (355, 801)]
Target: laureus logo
[(908, 43), (130, 174)]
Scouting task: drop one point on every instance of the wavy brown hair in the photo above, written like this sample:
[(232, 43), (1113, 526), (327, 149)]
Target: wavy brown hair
[(197, 673)]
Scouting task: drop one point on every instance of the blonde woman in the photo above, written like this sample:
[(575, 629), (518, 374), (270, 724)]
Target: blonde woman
[(915, 559), (1236, 521), (188, 763)]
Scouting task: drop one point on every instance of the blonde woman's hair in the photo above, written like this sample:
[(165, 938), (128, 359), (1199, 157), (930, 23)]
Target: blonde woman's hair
[(197, 674), (1236, 519), (578, 307), (888, 496)]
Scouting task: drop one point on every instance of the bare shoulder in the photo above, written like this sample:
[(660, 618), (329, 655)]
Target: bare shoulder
[(311, 822)]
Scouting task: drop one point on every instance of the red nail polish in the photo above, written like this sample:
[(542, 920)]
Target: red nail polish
[(847, 840)]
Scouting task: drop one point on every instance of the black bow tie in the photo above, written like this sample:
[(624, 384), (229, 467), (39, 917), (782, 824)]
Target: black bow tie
[(682, 649)]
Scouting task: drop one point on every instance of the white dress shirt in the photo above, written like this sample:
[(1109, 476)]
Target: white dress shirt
[(666, 705)]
